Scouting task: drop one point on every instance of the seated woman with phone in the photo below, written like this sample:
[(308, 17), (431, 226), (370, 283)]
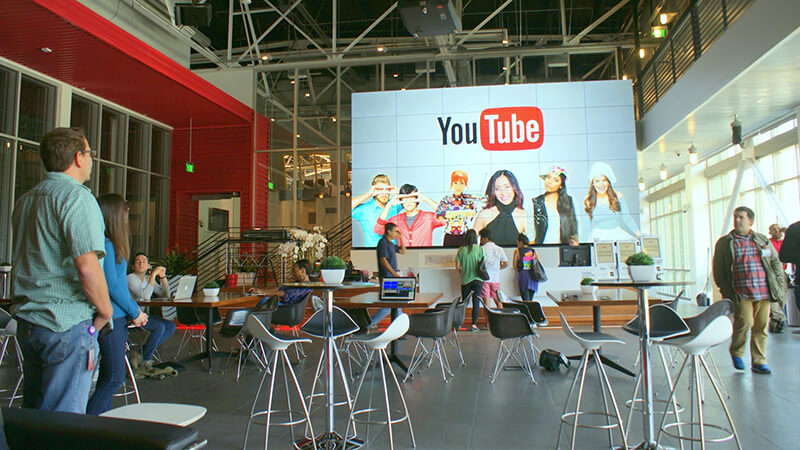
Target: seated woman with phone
[(144, 283)]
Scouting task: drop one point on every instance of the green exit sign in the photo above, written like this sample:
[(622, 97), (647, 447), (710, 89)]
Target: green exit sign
[(270, 185), (659, 32), (189, 167)]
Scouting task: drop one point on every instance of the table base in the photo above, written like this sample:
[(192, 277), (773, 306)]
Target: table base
[(330, 440), (606, 361)]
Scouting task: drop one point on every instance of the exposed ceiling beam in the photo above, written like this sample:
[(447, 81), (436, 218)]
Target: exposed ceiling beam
[(369, 28), (484, 22), (597, 22), (267, 31)]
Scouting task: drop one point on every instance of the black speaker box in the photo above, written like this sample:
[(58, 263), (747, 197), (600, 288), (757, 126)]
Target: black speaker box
[(193, 16), (430, 17)]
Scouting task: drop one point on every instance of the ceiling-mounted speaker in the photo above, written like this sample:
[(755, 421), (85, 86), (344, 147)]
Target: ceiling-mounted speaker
[(430, 17), (193, 14)]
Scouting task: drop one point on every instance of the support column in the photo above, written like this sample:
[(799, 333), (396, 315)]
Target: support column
[(699, 237)]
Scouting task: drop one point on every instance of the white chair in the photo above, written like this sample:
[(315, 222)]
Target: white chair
[(377, 347), (708, 329), (591, 343), (278, 345), (8, 332)]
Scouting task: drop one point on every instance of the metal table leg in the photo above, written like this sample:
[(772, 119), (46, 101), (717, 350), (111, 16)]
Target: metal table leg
[(647, 395)]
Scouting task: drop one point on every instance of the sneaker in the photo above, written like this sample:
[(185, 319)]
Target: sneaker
[(761, 368), (738, 363), (475, 328)]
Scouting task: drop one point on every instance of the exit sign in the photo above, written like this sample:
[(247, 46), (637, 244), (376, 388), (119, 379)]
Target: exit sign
[(270, 185), (189, 167)]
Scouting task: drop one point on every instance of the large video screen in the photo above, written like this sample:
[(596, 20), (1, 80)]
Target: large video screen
[(555, 161)]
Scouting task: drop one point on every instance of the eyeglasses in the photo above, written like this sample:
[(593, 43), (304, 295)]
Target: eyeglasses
[(92, 153)]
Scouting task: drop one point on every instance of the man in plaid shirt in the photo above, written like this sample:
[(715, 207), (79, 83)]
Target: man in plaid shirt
[(747, 271)]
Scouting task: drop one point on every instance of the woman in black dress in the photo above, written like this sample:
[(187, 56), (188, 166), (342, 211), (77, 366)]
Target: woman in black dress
[(503, 213)]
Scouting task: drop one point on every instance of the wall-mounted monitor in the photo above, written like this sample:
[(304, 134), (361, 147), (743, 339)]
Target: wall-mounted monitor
[(573, 256), (651, 246)]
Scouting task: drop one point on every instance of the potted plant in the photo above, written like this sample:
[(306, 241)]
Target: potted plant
[(211, 289), (332, 270), (586, 286), (640, 267)]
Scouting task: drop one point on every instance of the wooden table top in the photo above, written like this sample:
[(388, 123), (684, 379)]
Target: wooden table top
[(421, 300), (199, 300)]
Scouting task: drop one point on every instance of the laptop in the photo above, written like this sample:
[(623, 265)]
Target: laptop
[(398, 289), (185, 287)]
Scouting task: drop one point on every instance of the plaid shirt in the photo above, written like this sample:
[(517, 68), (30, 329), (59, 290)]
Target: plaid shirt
[(749, 278)]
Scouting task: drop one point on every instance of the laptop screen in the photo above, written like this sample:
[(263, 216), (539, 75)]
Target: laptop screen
[(395, 289)]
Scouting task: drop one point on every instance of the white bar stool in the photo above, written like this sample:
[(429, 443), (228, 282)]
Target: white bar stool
[(169, 413)]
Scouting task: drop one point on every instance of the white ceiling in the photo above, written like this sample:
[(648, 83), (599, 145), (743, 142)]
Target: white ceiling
[(767, 90)]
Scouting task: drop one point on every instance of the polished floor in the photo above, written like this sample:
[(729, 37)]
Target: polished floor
[(470, 413)]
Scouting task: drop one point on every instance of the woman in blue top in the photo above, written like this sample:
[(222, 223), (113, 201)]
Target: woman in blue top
[(115, 264)]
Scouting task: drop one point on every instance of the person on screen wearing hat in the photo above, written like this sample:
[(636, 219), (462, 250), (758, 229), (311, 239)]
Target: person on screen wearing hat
[(503, 214), (609, 217), (554, 207)]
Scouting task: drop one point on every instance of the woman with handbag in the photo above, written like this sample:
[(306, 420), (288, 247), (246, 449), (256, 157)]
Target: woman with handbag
[(524, 260), (468, 261)]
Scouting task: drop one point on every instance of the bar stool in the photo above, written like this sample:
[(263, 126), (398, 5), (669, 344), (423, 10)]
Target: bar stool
[(378, 344), (8, 332), (708, 329), (134, 388), (278, 345), (665, 323), (343, 325), (591, 343)]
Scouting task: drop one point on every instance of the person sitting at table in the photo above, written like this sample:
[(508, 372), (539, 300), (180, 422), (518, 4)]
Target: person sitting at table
[(112, 345), (292, 295), (143, 286)]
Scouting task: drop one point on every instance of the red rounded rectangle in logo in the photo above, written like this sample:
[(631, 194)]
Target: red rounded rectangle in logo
[(515, 128)]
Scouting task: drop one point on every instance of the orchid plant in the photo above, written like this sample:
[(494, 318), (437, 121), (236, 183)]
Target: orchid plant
[(305, 244)]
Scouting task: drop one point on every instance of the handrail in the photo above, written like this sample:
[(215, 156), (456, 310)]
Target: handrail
[(693, 34)]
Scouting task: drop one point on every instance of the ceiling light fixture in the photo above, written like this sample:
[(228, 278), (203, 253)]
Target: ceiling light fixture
[(663, 18), (692, 154), (264, 57), (272, 119), (624, 76), (642, 186), (291, 81), (505, 67), (642, 53), (662, 172), (505, 41), (308, 94), (396, 75), (381, 49), (333, 118)]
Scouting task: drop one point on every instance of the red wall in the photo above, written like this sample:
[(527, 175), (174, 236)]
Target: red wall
[(223, 162)]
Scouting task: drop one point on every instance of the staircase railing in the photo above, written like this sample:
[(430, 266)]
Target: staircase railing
[(340, 239), (693, 34)]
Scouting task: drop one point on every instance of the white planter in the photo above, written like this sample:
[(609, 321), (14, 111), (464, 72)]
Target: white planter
[(642, 274), (210, 292), (587, 289), (332, 276)]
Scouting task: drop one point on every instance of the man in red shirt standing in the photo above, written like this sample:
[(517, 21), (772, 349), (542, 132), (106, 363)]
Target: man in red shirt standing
[(747, 271)]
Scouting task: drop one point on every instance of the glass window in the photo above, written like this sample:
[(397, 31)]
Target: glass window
[(111, 179), (159, 154), (29, 169), (136, 197), (84, 115), (112, 136), (159, 216), (786, 164), (138, 141), (8, 100), (37, 106), (6, 159)]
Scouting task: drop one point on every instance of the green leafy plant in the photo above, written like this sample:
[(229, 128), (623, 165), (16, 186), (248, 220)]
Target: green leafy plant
[(175, 262), (211, 285), (587, 281), (332, 262), (248, 267), (639, 259)]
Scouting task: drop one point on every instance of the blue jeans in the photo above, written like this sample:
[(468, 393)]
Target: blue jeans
[(56, 367), (474, 286), (380, 315), (112, 367), (160, 330)]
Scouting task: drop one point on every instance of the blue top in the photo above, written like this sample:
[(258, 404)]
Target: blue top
[(292, 295), (366, 215), (608, 225), (386, 249), (121, 300)]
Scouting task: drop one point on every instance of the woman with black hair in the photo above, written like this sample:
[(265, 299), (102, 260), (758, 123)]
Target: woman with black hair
[(524, 258), (503, 214), (554, 207), (115, 264), (468, 260)]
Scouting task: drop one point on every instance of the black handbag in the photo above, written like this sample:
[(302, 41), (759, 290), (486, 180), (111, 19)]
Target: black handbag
[(482, 272), (538, 272), (550, 360)]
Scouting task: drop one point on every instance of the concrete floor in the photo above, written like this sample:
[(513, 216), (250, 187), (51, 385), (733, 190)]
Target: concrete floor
[(470, 413)]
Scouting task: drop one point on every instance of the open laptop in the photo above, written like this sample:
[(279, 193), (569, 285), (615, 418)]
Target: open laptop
[(401, 289), (185, 288)]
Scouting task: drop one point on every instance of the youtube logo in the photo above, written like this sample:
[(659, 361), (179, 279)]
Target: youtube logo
[(501, 129)]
